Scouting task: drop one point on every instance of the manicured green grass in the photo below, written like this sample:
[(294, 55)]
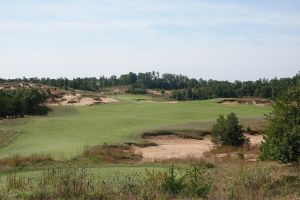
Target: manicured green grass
[(66, 131)]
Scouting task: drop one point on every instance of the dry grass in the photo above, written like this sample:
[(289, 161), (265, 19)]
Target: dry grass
[(226, 180), (16, 161), (97, 154), (247, 152), (108, 154), (239, 179)]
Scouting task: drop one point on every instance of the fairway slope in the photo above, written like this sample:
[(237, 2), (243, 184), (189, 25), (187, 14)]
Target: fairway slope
[(65, 135)]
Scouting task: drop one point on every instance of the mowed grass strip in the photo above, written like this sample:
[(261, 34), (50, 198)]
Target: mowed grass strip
[(65, 136)]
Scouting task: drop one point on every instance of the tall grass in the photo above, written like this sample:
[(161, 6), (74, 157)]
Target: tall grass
[(72, 182), (230, 180), (23, 161), (109, 154)]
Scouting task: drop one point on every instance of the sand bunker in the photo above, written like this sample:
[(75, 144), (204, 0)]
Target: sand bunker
[(77, 100), (257, 102), (170, 147), (149, 101), (174, 147), (108, 100), (80, 100)]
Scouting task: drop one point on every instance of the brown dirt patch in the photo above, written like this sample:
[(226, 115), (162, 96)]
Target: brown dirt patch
[(170, 147)]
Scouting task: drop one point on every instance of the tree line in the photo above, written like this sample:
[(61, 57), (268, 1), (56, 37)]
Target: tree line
[(261, 88), (20, 102), (184, 88)]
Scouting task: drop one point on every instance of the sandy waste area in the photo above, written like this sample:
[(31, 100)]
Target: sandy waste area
[(79, 100), (170, 147)]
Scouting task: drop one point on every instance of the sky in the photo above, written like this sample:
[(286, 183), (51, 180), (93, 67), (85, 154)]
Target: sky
[(210, 39)]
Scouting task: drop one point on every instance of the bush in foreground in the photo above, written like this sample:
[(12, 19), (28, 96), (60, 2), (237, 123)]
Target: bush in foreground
[(283, 133)]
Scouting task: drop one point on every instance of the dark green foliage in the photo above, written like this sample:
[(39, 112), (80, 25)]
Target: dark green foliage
[(21, 101), (184, 87), (136, 91), (227, 131), (283, 133)]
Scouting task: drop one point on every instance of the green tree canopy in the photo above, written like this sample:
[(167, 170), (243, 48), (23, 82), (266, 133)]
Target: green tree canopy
[(20, 101), (283, 133)]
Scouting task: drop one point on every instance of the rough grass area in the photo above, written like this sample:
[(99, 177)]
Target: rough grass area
[(66, 130), (230, 179), (247, 152), (18, 161), (100, 154), (97, 154)]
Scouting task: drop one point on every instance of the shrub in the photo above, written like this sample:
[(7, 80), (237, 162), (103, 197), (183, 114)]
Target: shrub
[(283, 133), (187, 182), (227, 131), (136, 91), (196, 184), (172, 183)]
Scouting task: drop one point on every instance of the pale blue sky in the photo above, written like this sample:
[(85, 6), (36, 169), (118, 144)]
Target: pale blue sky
[(218, 39)]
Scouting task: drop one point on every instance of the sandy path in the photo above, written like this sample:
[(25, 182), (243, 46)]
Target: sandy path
[(174, 147)]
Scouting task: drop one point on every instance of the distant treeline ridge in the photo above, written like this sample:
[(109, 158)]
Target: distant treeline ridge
[(184, 88)]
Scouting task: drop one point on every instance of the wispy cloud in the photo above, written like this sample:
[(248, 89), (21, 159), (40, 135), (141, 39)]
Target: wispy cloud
[(146, 33)]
